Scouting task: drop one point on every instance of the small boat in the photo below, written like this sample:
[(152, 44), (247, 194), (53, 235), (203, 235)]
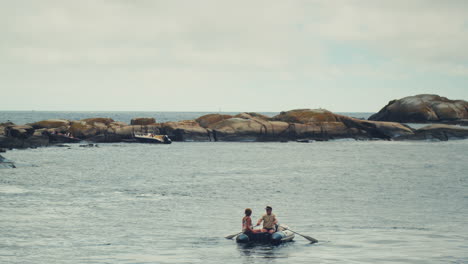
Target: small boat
[(281, 235), (152, 138), (63, 138)]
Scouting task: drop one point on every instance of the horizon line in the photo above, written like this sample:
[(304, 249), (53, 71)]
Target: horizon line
[(182, 111)]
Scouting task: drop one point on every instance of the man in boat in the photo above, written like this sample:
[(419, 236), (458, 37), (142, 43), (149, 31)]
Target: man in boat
[(269, 221)]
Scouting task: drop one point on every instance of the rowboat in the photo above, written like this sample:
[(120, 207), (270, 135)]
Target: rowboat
[(280, 236)]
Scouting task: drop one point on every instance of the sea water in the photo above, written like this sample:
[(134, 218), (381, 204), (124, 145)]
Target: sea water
[(365, 201)]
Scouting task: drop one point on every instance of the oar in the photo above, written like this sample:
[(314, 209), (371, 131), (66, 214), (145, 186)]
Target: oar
[(311, 239), (232, 236)]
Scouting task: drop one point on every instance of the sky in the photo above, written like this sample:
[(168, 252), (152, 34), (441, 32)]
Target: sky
[(219, 55)]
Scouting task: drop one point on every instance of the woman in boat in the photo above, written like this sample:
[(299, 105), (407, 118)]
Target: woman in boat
[(247, 222)]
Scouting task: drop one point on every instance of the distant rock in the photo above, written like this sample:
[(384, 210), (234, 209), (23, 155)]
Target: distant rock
[(17, 136), (3, 127), (250, 115), (142, 121), (186, 130), (248, 129), (51, 123), (440, 132), (89, 145), (19, 131), (423, 108), (118, 124), (210, 119), (321, 124), (82, 129), (103, 120), (62, 145), (302, 125), (305, 116), (377, 129)]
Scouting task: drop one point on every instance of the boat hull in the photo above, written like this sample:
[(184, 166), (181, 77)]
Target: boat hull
[(58, 138), (275, 238)]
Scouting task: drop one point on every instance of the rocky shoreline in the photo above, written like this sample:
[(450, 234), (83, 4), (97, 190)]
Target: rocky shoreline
[(302, 125)]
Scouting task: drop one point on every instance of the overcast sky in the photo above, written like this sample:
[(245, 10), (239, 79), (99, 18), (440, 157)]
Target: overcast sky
[(344, 56)]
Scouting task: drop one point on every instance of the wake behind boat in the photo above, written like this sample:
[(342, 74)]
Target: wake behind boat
[(152, 138)]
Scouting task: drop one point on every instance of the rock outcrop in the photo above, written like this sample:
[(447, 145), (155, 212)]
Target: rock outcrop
[(142, 121), (82, 129), (439, 132), (423, 108), (24, 136), (207, 120), (321, 124), (250, 115), (301, 124), (317, 124), (97, 120), (307, 116), (248, 129), (186, 130), (296, 125), (51, 123), (377, 129)]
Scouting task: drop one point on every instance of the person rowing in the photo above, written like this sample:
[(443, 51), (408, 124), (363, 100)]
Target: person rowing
[(269, 221)]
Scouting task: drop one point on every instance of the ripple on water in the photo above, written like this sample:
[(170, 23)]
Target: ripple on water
[(175, 204), (9, 189)]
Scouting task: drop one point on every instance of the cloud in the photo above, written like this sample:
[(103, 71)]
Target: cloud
[(183, 42), (256, 34), (425, 31)]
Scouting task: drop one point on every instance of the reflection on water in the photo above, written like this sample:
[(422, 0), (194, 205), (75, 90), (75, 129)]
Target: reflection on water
[(259, 250)]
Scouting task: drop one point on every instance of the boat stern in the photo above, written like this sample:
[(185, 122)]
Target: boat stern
[(242, 238), (282, 236)]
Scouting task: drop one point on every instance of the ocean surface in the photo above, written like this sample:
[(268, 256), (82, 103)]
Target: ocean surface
[(365, 201)]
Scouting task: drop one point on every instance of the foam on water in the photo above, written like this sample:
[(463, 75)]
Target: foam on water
[(9, 189)]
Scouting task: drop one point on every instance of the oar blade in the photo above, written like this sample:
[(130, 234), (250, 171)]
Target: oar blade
[(311, 239), (232, 236)]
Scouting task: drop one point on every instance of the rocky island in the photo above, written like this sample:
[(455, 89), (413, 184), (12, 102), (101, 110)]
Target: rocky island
[(301, 125), (424, 108)]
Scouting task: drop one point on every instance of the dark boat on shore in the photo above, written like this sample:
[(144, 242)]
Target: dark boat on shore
[(62, 138), (152, 138), (280, 236)]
